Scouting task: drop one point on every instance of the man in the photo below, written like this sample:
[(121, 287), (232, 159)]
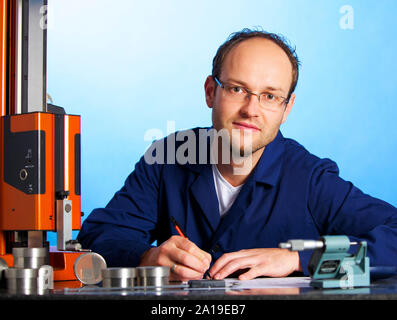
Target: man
[(235, 219)]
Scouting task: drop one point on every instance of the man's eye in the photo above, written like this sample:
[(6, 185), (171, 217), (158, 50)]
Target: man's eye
[(269, 96), (236, 90)]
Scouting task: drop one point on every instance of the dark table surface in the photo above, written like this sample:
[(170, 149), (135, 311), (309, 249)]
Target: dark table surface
[(381, 288), (70, 298)]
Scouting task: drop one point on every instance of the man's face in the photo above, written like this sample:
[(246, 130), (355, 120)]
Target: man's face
[(260, 66)]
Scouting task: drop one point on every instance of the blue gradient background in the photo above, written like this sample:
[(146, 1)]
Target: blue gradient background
[(128, 66)]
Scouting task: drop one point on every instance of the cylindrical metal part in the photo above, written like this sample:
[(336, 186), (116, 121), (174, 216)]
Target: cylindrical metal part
[(336, 243), (30, 258), (88, 268), (152, 276), (118, 277), (300, 245), (331, 244), (21, 280), (45, 278)]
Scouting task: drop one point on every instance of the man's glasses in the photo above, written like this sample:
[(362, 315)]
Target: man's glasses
[(237, 93)]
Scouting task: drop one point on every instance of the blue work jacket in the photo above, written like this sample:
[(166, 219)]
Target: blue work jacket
[(291, 194)]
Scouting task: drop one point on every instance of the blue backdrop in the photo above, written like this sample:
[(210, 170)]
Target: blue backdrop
[(130, 66)]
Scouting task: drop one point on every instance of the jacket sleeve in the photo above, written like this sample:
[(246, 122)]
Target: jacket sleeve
[(123, 230), (340, 208)]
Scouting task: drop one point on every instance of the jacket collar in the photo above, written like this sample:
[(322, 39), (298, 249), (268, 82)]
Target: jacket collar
[(269, 165)]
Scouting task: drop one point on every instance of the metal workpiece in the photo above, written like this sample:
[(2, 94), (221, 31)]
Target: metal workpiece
[(118, 277), (152, 276), (29, 280), (301, 245), (22, 280), (88, 268), (30, 257), (31, 273), (45, 279)]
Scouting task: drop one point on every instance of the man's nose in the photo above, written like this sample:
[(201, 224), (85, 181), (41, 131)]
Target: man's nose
[(251, 106)]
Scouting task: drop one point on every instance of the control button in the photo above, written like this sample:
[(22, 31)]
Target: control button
[(23, 174)]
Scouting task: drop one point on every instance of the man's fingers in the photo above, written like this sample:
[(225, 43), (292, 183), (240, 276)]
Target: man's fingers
[(192, 249), (183, 273), (182, 257), (226, 259), (271, 262), (251, 274), (189, 260), (234, 265)]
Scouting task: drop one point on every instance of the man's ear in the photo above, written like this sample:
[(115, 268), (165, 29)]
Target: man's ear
[(209, 89), (288, 107)]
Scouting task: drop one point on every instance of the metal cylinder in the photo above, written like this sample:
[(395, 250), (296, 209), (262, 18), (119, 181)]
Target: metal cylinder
[(118, 277), (336, 243), (152, 276), (30, 258), (88, 268), (21, 280), (301, 245)]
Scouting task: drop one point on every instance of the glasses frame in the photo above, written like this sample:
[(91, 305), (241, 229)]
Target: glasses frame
[(250, 93)]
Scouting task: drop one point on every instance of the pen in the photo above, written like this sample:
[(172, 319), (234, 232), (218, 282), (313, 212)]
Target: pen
[(182, 234), (178, 228)]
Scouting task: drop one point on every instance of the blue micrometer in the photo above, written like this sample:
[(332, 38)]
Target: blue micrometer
[(331, 265)]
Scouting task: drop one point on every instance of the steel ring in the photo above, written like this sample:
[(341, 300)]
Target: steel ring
[(173, 267)]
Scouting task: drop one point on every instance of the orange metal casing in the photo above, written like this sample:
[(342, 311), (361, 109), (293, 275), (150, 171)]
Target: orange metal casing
[(21, 211), (70, 183)]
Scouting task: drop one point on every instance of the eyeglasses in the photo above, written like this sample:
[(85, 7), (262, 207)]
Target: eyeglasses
[(237, 93)]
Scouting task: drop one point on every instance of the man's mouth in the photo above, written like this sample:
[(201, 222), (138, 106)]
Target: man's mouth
[(245, 126)]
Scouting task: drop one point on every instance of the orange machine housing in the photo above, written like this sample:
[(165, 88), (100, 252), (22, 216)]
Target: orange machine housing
[(40, 164), (28, 184)]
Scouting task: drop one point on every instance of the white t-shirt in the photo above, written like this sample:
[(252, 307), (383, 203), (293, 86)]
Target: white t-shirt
[(224, 190)]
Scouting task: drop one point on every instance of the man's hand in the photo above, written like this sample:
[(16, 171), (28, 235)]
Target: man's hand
[(190, 261), (272, 262)]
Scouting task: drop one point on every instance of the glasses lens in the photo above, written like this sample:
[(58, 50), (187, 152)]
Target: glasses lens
[(240, 94), (234, 92), (270, 101)]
